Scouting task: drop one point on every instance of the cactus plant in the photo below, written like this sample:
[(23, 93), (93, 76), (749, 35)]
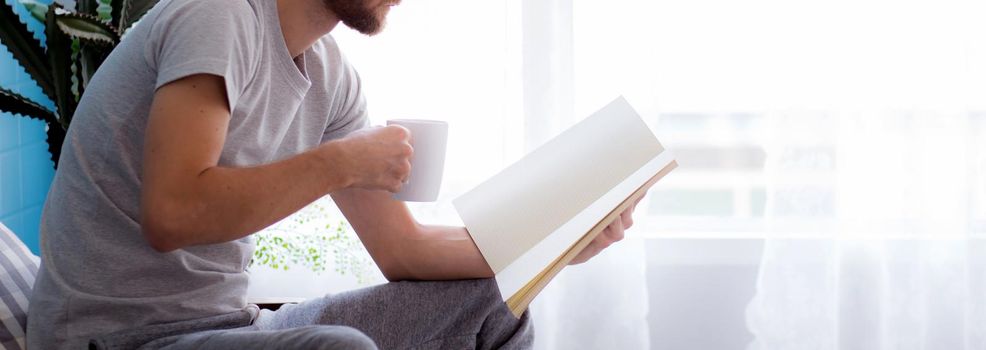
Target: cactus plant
[(75, 44)]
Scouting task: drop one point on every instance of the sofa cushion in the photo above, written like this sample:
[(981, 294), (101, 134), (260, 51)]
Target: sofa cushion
[(18, 267)]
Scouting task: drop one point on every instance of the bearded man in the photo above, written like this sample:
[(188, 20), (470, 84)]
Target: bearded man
[(211, 120)]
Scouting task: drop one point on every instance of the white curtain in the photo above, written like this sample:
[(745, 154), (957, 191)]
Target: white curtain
[(875, 188), (601, 304), (875, 244)]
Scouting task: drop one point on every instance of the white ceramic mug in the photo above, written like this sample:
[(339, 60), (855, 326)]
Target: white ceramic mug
[(428, 138)]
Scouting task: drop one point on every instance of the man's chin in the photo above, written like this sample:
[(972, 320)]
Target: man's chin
[(370, 27), (381, 21), (355, 15)]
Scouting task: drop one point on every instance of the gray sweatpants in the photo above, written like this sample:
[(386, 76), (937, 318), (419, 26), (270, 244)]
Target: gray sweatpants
[(466, 314)]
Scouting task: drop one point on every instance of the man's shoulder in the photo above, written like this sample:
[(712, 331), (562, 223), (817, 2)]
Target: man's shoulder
[(233, 6), (246, 11)]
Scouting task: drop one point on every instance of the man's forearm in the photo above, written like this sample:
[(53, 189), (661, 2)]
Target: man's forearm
[(223, 204), (440, 253), (405, 249)]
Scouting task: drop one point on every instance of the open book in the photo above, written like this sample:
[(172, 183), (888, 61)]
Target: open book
[(530, 220)]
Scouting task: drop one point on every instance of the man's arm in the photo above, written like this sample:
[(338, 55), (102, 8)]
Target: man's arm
[(405, 249), (187, 199)]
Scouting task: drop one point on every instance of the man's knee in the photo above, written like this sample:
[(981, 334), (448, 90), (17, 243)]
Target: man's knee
[(481, 291)]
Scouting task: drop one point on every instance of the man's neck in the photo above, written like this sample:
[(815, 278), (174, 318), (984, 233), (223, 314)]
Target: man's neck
[(303, 22)]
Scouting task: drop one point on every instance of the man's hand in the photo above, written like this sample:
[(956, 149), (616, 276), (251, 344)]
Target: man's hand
[(374, 158), (612, 234)]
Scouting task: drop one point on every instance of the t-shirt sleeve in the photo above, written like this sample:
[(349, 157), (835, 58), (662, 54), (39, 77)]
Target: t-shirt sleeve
[(352, 116), (218, 37)]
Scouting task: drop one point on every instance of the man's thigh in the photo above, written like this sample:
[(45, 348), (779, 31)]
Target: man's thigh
[(250, 338), (427, 314)]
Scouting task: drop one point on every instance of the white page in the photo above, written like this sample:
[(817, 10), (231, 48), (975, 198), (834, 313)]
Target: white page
[(518, 208)]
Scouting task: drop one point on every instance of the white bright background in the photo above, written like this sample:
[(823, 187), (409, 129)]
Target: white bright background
[(704, 73), (743, 92)]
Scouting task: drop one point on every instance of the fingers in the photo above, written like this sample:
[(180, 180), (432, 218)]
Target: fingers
[(627, 218), (591, 250), (612, 234), (397, 179), (400, 167), (402, 170), (400, 132), (376, 158)]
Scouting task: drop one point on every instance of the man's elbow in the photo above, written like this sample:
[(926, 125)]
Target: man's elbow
[(390, 277), (159, 236), (394, 270), (161, 230)]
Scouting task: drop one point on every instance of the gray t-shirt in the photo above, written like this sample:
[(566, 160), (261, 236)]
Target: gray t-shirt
[(98, 274)]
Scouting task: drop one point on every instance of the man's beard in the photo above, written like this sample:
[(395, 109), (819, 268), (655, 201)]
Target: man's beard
[(355, 14)]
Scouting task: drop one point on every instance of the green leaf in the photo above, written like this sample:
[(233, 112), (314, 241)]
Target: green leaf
[(36, 9), (88, 7), (105, 11), (56, 135), (77, 84), (60, 59), (90, 58), (25, 49), (128, 12), (11, 102), (100, 9), (86, 28)]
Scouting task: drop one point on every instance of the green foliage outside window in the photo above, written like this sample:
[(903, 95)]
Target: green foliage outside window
[(313, 238)]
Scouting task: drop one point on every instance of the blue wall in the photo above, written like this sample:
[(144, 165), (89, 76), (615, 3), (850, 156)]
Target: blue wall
[(26, 169)]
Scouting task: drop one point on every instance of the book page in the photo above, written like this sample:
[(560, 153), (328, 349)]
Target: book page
[(513, 212)]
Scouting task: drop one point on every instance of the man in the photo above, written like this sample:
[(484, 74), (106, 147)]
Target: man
[(212, 120)]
